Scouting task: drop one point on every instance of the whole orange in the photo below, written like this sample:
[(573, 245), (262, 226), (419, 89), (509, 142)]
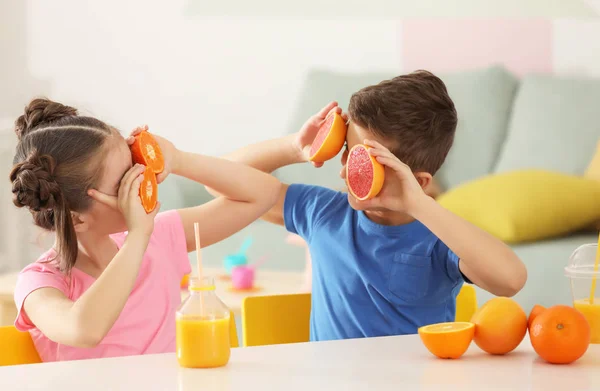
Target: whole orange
[(560, 334), (500, 325), (535, 311)]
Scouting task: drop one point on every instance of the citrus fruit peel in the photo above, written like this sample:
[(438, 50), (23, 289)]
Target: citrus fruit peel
[(329, 140), (364, 174), (145, 150), (447, 340)]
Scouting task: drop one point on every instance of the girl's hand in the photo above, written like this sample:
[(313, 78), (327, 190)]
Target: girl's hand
[(128, 202), (168, 150)]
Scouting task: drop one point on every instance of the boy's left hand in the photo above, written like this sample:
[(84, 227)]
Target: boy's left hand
[(167, 148), (401, 191)]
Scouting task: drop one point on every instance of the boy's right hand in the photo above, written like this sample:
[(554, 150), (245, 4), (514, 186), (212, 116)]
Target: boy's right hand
[(309, 130)]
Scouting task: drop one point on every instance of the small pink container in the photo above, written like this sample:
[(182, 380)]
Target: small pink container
[(242, 277)]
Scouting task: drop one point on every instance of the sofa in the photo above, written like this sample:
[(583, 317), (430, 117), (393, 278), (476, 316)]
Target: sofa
[(505, 123)]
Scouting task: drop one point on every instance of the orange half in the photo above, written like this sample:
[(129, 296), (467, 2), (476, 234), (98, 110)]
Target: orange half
[(330, 139), (447, 340), (149, 191), (364, 174), (145, 150)]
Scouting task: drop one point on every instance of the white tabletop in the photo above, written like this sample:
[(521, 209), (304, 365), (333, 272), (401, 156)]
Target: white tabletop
[(391, 363)]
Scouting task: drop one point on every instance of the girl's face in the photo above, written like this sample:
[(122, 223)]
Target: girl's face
[(104, 219)]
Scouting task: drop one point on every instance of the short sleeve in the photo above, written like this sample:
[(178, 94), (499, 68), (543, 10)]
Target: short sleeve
[(306, 205), (170, 234), (451, 261), (33, 277)]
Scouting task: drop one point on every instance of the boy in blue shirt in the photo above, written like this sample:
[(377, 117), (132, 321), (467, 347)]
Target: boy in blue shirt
[(391, 264)]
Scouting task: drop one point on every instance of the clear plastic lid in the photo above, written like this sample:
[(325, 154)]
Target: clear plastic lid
[(582, 262)]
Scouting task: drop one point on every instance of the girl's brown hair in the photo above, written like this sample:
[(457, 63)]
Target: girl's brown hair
[(58, 158)]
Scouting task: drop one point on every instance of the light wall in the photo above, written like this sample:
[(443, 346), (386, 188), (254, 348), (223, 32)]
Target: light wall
[(212, 79), (213, 83)]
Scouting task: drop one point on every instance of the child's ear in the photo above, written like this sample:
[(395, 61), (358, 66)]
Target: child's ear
[(79, 222), (424, 179)]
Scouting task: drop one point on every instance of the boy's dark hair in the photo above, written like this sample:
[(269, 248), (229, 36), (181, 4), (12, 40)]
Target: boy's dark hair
[(413, 111)]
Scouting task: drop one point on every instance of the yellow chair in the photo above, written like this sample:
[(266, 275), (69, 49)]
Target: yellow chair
[(466, 303), (279, 319), (17, 347)]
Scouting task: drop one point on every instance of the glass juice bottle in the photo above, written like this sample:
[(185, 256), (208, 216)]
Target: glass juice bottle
[(202, 327)]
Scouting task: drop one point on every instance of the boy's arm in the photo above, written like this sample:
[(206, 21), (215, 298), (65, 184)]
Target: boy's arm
[(270, 155), (485, 260)]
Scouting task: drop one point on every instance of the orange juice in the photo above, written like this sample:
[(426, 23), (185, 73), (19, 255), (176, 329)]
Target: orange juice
[(592, 314), (202, 343)]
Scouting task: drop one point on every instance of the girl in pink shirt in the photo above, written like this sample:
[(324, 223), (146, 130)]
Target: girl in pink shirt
[(110, 284)]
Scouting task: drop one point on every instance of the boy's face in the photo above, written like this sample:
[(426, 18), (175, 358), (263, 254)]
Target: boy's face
[(357, 135)]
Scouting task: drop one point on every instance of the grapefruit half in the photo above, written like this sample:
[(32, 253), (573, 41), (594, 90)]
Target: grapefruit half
[(145, 150), (330, 139), (364, 174)]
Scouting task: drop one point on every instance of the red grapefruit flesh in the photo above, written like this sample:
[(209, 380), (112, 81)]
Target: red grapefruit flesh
[(329, 140), (364, 174)]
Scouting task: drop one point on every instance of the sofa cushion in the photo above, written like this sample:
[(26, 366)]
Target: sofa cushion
[(554, 125), (483, 100), (527, 205), (593, 169)]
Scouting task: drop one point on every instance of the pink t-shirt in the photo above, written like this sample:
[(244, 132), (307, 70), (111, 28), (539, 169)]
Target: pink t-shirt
[(146, 324)]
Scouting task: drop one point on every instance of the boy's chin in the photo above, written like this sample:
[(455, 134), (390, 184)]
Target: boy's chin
[(354, 204)]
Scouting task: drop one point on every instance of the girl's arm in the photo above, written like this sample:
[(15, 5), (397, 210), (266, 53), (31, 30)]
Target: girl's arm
[(86, 321), (246, 194)]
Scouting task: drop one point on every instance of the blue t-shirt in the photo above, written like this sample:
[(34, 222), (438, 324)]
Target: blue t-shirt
[(370, 280)]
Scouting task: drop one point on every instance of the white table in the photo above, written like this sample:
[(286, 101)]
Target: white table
[(391, 363)]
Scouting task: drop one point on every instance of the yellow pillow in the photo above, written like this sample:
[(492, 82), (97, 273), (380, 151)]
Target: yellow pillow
[(527, 205)]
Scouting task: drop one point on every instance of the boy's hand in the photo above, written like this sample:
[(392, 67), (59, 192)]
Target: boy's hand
[(309, 130), (167, 148), (401, 191)]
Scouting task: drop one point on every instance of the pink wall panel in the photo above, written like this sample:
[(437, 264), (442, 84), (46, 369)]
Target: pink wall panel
[(445, 45)]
